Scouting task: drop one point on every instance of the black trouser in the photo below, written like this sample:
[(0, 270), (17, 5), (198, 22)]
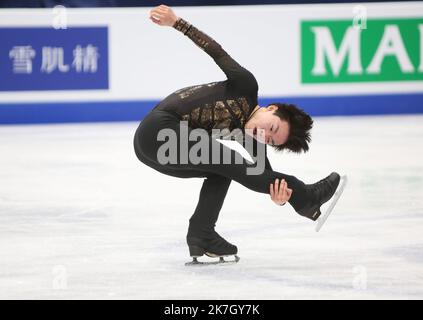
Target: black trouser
[(218, 176)]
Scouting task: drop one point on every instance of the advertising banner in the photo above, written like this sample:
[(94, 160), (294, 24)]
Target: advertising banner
[(53, 59)]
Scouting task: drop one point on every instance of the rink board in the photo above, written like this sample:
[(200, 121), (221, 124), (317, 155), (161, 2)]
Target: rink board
[(21, 113)]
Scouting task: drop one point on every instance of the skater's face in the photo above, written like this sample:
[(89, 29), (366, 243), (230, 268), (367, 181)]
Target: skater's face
[(275, 130)]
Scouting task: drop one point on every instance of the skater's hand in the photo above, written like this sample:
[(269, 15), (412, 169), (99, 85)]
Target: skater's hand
[(163, 16), (279, 192)]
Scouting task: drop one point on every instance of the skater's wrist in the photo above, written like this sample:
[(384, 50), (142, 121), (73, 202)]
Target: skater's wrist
[(181, 25)]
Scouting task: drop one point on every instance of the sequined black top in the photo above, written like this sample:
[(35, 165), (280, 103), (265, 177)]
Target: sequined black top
[(216, 105)]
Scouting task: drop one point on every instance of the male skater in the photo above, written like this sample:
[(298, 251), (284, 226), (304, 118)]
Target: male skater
[(230, 104)]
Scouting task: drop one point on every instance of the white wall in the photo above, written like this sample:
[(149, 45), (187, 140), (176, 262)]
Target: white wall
[(147, 61)]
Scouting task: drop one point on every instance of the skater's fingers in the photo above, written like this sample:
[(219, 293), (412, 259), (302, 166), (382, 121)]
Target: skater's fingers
[(276, 187), (156, 16), (280, 196), (289, 192), (156, 12), (158, 22), (286, 187), (281, 189), (157, 9), (161, 11), (271, 191), (165, 10)]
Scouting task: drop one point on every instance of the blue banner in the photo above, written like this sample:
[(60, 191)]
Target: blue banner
[(53, 59)]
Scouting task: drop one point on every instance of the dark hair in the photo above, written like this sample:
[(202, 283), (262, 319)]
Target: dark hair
[(300, 124)]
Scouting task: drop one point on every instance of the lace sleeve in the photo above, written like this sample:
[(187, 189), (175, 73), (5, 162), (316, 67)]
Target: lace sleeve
[(201, 39), (237, 74)]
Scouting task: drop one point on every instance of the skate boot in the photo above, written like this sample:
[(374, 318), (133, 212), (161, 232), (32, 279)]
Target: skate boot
[(319, 193), (212, 245)]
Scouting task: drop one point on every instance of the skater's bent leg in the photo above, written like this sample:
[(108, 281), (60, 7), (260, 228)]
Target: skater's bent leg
[(149, 144), (212, 196), (261, 183)]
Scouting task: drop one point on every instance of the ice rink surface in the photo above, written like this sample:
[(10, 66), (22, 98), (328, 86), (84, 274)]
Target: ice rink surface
[(82, 218)]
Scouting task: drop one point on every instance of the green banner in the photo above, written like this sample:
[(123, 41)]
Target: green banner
[(382, 50)]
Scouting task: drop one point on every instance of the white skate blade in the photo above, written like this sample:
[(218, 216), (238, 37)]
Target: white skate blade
[(237, 147), (221, 261), (322, 219)]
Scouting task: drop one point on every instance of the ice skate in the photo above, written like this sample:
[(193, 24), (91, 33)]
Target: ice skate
[(319, 193), (213, 246), (335, 198)]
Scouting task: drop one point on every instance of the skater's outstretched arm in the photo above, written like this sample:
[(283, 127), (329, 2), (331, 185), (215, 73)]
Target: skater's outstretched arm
[(237, 75)]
